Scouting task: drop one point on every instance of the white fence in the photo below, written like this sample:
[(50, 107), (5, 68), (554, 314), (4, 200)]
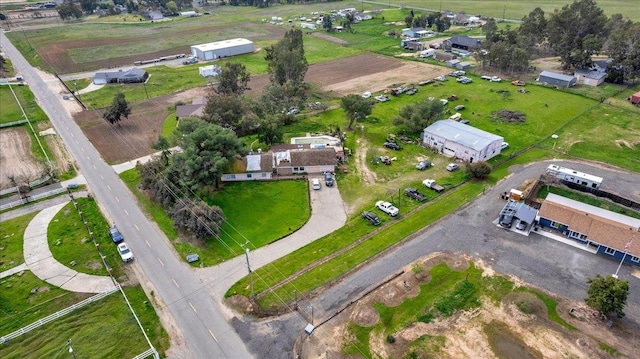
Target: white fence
[(32, 198), (57, 315)]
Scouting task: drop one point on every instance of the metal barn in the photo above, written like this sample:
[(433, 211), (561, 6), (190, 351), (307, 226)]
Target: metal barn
[(219, 49)]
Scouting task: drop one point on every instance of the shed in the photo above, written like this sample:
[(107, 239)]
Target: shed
[(463, 65), (219, 49), (133, 75), (590, 77), (307, 25), (556, 79), (209, 71), (452, 62), (635, 98), (462, 43), (444, 56)]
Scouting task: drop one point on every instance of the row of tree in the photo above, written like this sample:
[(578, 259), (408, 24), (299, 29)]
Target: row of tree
[(574, 33)]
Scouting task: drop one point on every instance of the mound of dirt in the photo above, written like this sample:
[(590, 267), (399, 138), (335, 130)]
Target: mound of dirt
[(510, 116)]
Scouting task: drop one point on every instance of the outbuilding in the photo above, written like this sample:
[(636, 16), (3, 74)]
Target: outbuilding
[(133, 75), (556, 79), (598, 230), (468, 143), (635, 98), (209, 71), (219, 49), (462, 43)]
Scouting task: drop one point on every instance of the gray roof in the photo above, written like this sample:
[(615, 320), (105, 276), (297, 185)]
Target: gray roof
[(465, 135), (555, 75), (465, 41), (134, 73), (592, 74), (189, 110)]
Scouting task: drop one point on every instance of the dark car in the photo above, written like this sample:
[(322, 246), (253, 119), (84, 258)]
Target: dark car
[(328, 179), (371, 218), (414, 194), (392, 145), (115, 234), (506, 220), (423, 165)]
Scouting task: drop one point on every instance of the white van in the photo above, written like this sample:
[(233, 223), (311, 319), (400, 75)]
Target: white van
[(315, 183)]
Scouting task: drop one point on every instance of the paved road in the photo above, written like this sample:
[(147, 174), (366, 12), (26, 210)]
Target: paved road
[(203, 327), (545, 263)]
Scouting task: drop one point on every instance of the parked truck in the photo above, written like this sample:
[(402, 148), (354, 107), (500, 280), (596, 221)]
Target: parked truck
[(431, 183), (190, 60)]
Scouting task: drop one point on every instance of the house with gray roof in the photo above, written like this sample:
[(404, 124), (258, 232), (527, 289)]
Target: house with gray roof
[(600, 231), (594, 75), (454, 139), (196, 109), (253, 167), (462, 42), (133, 75), (556, 79)]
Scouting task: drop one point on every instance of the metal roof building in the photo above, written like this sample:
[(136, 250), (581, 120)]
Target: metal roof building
[(225, 48), (453, 138), (556, 79)]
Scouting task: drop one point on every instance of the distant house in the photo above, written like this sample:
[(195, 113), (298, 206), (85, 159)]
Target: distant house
[(307, 161), (599, 230), (635, 98), (593, 76), (134, 75), (452, 62), (455, 139), (462, 42), (307, 25), (253, 167), (418, 32), (556, 79), (444, 56), (196, 109)]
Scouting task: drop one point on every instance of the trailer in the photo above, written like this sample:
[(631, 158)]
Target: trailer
[(569, 175)]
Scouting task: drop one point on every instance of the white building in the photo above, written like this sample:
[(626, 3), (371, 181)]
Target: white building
[(209, 71), (219, 49), (466, 142)]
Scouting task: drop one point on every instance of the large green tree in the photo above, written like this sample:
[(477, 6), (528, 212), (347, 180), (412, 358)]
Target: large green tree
[(233, 79), (197, 217), (533, 29), (229, 111), (356, 108), (415, 117), (119, 108), (68, 9), (576, 32), (286, 60), (607, 295), (623, 45), (206, 151)]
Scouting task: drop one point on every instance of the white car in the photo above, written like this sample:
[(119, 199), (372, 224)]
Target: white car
[(504, 145), (444, 101), (452, 167), (382, 98), (366, 94), (496, 79), (315, 183), (125, 252), (387, 208)]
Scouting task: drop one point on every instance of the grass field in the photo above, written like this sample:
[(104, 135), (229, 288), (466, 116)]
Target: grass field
[(10, 110), (11, 234)]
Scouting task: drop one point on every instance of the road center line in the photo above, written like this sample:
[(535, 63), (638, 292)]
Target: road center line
[(176, 283), (192, 307), (159, 260), (125, 212), (109, 187), (117, 200), (94, 167), (213, 336), (147, 242), (101, 177), (135, 225)]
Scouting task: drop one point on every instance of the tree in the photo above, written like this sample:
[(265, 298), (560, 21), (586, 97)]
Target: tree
[(206, 151), (172, 7), (270, 130), (607, 295), (229, 111), (623, 45), (408, 20), (576, 32), (479, 169), (277, 98), (286, 60), (233, 79), (88, 5), (356, 107), (68, 9), (162, 145), (327, 23), (533, 29), (197, 217), (119, 107), (415, 117), (3, 65)]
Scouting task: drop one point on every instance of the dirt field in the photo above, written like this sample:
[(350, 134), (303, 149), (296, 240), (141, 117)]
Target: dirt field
[(490, 331), (134, 137), (16, 160)]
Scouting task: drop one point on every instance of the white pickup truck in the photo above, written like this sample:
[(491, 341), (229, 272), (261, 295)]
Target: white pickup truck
[(387, 208), (430, 183)]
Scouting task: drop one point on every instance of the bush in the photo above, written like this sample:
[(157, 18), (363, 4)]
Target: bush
[(525, 306), (480, 169), (391, 339)]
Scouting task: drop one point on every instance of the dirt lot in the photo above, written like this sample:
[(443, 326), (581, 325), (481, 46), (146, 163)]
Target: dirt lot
[(351, 75), (489, 331), (15, 157)]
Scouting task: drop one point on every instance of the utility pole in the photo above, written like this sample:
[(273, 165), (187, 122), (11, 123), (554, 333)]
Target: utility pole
[(246, 253), (626, 250), (71, 349)]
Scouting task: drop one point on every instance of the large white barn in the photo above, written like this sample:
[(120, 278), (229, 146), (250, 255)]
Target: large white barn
[(466, 142), (218, 49)]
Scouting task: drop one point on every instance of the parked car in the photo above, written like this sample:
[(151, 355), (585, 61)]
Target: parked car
[(521, 226), (485, 77), (444, 101), (387, 208), (392, 145), (518, 83), (504, 145), (459, 107), (315, 183), (464, 80), (293, 111), (371, 218), (457, 73), (441, 78), (414, 194), (423, 165), (496, 79), (366, 94), (328, 179), (382, 98), (115, 234), (125, 252), (506, 220), (412, 91), (452, 167)]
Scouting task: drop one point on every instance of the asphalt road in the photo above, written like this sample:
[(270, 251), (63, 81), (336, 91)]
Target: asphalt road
[(202, 325), (538, 260)]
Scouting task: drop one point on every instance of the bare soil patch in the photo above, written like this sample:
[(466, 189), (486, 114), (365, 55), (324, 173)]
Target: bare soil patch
[(518, 327), (510, 116), (16, 160)]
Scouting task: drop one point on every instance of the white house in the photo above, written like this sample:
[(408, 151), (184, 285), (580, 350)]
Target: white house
[(459, 140), (218, 49), (209, 71)]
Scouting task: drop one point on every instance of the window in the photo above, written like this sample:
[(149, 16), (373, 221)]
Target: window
[(635, 259), (555, 224), (610, 251), (249, 175)]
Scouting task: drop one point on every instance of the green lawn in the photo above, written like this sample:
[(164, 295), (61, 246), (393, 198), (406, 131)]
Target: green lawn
[(11, 241), (10, 110), (91, 329), (69, 239)]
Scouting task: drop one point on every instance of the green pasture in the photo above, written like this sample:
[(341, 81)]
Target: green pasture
[(11, 241), (514, 9), (92, 329), (69, 239), (10, 110)]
